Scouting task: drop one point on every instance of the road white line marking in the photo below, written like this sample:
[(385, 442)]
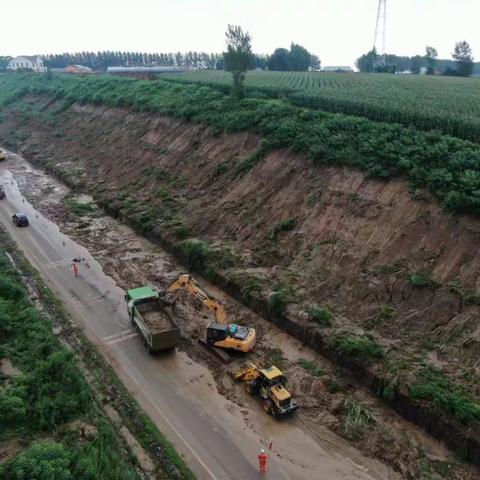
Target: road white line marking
[(170, 424), (58, 263), (119, 334), (121, 339)]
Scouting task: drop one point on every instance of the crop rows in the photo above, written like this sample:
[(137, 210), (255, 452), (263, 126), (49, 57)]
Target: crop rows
[(449, 105)]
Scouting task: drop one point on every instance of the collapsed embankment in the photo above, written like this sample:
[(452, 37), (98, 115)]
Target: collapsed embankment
[(377, 278)]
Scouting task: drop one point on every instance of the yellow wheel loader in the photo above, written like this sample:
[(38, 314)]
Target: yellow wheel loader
[(219, 334), (269, 384)]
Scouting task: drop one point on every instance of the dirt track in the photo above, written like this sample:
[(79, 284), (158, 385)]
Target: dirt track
[(131, 260)]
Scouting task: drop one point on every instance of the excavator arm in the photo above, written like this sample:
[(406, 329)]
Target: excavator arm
[(187, 282)]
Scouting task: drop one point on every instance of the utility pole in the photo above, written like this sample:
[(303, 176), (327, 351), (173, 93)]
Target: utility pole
[(379, 41)]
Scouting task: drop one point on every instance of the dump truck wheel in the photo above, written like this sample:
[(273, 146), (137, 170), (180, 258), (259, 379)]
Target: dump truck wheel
[(249, 387), (267, 405), (147, 347)]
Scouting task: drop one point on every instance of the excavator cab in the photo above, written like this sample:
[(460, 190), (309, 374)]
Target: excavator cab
[(216, 333)]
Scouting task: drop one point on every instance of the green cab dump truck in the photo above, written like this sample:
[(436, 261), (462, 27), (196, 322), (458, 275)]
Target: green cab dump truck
[(153, 316)]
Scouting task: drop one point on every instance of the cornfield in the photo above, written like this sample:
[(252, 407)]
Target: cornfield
[(450, 105)]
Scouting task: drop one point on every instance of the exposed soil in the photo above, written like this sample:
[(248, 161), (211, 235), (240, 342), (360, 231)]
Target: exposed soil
[(132, 261), (8, 369)]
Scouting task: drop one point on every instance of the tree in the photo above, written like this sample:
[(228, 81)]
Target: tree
[(298, 59), (431, 55), (315, 63), (416, 64), (366, 63), (278, 61), (4, 63), (238, 57), (463, 56)]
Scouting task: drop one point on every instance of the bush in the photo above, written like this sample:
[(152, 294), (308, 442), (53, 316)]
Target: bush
[(251, 288), (42, 461), (12, 409), (322, 316), (99, 459), (277, 303), (10, 290), (420, 280), (79, 208), (195, 252), (362, 347), (181, 232), (358, 418), (57, 390), (283, 226)]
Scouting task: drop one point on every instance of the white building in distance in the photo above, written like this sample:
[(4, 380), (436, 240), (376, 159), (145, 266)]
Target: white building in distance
[(34, 63), (339, 69)]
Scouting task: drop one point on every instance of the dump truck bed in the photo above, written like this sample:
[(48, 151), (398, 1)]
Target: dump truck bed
[(155, 316), (159, 326)]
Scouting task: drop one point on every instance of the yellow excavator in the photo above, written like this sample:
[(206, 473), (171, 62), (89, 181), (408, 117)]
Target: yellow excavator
[(219, 334), (269, 384)]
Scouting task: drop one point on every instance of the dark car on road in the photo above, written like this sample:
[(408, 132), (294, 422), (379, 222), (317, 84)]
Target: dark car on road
[(20, 220), (2, 193)]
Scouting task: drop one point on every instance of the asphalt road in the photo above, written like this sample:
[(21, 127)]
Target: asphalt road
[(179, 395)]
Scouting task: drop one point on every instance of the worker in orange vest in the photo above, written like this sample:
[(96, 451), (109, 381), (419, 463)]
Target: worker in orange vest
[(263, 462)]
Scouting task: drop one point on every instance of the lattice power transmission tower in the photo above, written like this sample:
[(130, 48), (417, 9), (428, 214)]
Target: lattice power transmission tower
[(379, 42)]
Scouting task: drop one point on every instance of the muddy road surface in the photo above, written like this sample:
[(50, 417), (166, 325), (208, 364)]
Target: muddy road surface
[(210, 421)]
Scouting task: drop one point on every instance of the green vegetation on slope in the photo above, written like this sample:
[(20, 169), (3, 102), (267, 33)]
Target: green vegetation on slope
[(448, 167), (442, 394), (450, 105)]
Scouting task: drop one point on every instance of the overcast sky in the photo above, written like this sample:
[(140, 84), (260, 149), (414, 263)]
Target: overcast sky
[(336, 30)]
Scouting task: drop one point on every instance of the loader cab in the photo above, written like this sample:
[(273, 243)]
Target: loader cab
[(272, 376), (217, 333)]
